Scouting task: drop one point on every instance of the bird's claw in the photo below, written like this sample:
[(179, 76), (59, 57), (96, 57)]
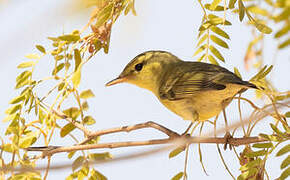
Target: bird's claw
[(227, 137)]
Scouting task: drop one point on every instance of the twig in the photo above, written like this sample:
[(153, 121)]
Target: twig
[(64, 116), (47, 168), (148, 124), (181, 140)]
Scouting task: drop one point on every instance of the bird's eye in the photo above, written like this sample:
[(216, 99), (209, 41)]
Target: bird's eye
[(138, 67)]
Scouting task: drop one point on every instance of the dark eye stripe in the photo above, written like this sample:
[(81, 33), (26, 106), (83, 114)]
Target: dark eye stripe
[(138, 67)]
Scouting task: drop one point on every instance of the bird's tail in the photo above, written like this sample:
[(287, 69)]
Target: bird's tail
[(250, 85)]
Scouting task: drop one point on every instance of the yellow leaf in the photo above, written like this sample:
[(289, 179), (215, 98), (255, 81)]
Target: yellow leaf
[(40, 48), (87, 94), (26, 64), (76, 77), (32, 56)]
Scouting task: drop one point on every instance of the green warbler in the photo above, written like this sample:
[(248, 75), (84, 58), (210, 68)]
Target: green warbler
[(196, 91)]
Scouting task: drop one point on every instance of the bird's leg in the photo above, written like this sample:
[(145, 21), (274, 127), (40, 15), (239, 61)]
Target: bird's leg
[(195, 118), (228, 134), (186, 131)]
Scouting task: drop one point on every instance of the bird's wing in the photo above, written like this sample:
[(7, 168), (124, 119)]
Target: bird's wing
[(190, 83), (190, 78)]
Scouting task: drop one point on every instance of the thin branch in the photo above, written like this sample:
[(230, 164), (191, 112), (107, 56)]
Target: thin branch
[(148, 124), (47, 168), (64, 116), (181, 140)]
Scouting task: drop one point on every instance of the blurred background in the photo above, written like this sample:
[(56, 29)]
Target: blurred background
[(159, 25)]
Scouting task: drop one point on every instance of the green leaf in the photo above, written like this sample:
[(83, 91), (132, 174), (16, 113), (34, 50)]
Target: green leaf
[(275, 129), (17, 99), (215, 20), (201, 58), (285, 174), (283, 15), (26, 64), (13, 128), (220, 32), (87, 94), (200, 49), (78, 59), (96, 175), (266, 72), (263, 145), (85, 105), (58, 57), (246, 175), (258, 10), (283, 150), (72, 112), (256, 77), (282, 31), (241, 10), (100, 156), (232, 4), (237, 72), (285, 162), (287, 114), (76, 77), (204, 26), (176, 151), (23, 79), (13, 109), (270, 137), (284, 44), (256, 153), (219, 41), (40, 48), (216, 53), (69, 37), (28, 140), (214, 4), (58, 68), (67, 129), (262, 73), (32, 56), (78, 162), (263, 28), (104, 15), (251, 164), (201, 40), (178, 176), (8, 148), (71, 154), (11, 117), (217, 8), (89, 120), (212, 60)]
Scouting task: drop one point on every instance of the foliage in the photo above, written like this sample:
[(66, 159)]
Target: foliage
[(32, 120)]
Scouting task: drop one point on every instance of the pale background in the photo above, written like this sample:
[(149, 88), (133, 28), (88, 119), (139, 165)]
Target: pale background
[(160, 24)]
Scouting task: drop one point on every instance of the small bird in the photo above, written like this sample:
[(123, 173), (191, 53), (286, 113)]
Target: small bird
[(196, 91)]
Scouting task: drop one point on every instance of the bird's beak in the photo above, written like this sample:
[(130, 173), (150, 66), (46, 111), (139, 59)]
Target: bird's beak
[(117, 81)]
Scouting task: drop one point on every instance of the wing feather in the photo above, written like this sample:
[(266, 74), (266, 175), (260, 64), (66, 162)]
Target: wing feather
[(190, 80)]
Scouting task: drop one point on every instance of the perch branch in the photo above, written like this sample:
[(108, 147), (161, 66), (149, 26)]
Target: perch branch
[(148, 124), (181, 140)]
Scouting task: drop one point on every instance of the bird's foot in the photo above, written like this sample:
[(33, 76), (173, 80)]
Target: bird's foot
[(227, 136)]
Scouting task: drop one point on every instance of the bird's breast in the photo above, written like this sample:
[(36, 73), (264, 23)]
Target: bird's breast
[(202, 105)]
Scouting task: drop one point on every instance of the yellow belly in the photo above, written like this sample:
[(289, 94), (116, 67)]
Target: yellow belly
[(202, 105)]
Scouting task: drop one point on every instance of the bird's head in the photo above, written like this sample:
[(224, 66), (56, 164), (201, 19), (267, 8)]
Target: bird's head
[(146, 69)]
